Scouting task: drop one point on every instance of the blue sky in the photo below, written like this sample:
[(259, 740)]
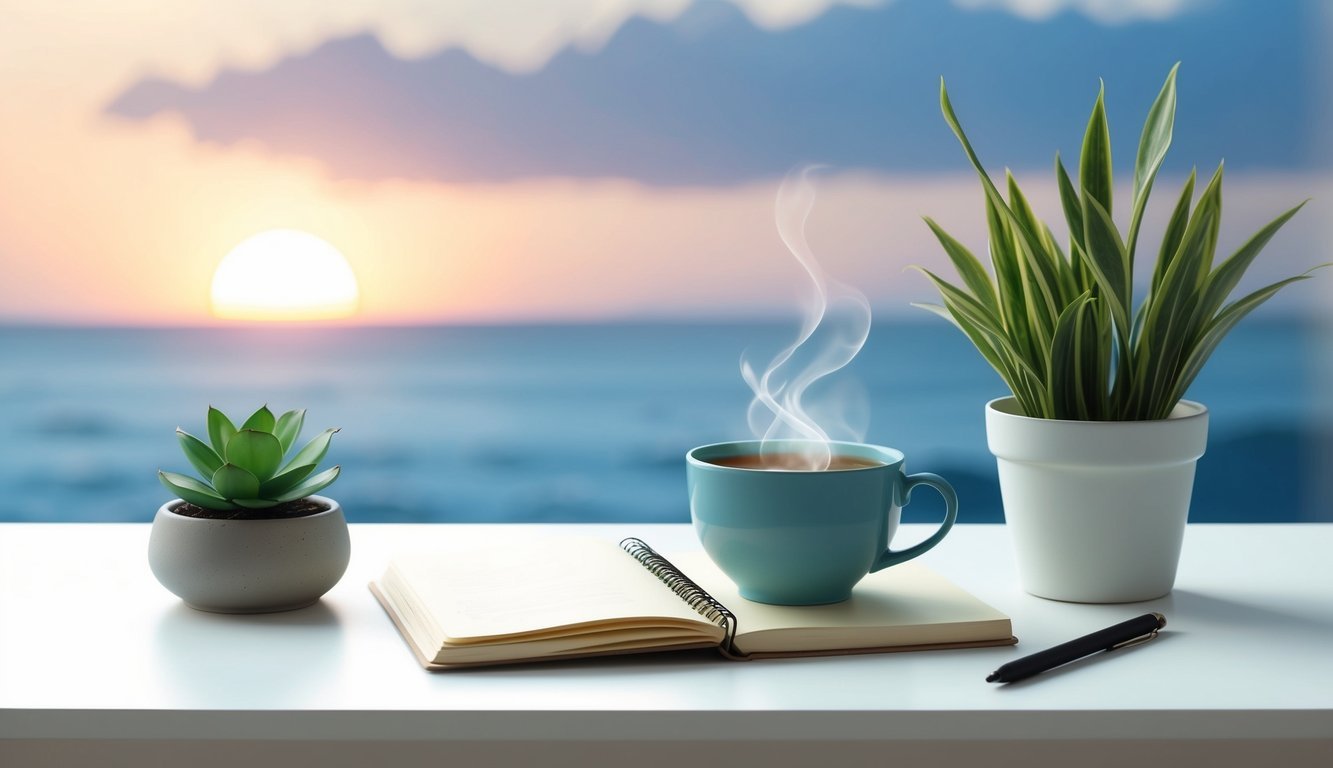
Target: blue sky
[(711, 98)]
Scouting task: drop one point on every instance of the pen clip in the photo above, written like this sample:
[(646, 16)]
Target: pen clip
[(1141, 639)]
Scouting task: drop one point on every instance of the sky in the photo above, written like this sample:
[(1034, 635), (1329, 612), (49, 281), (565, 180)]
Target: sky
[(599, 159)]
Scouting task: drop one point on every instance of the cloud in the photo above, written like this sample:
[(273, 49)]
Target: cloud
[(1104, 11), (710, 97)]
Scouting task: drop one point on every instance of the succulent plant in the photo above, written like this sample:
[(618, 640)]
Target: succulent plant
[(244, 468), (1060, 327)]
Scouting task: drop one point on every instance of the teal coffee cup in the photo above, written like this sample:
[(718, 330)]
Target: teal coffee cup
[(798, 536)]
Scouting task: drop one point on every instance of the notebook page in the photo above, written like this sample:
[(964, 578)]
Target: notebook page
[(531, 587), (906, 604)]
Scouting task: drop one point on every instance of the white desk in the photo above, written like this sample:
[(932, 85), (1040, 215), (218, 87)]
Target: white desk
[(100, 665)]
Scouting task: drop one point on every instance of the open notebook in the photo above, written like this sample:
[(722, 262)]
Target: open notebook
[(561, 597)]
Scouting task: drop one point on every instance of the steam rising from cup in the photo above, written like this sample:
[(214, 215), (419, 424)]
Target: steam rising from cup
[(835, 327)]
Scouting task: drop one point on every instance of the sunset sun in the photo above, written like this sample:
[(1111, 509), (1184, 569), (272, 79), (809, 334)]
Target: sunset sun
[(284, 274)]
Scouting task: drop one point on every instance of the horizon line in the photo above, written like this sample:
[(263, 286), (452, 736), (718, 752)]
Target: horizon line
[(1273, 315)]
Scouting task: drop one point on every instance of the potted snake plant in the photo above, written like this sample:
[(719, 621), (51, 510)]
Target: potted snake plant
[(249, 535), (1096, 445)]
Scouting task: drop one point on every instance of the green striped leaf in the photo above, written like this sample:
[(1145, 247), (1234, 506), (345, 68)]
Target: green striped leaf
[(1008, 278), (1067, 378), (995, 348), (1171, 320), (1175, 232), (974, 310), (1153, 143), (969, 268), (970, 314), (1080, 362), (1216, 330), (1073, 209), (1063, 331), (1223, 280), (1156, 136), (1044, 264), (1068, 283), (946, 107), (985, 343), (1069, 201), (1099, 337), (1108, 263), (1094, 166), (1012, 254)]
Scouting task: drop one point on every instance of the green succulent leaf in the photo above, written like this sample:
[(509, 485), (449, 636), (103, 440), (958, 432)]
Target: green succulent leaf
[(220, 430), (259, 453), (256, 503), (289, 427), (193, 491), (313, 452), (313, 485), (204, 458), (233, 482), (261, 420), (280, 484)]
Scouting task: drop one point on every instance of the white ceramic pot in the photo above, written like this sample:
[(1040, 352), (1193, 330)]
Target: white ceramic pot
[(1096, 509), (249, 566)]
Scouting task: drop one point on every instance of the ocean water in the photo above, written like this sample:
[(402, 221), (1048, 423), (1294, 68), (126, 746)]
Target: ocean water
[(576, 422)]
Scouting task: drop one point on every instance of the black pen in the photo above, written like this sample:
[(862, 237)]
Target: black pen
[(1125, 633)]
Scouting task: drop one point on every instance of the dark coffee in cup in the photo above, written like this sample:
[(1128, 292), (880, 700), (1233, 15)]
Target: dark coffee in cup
[(792, 462)]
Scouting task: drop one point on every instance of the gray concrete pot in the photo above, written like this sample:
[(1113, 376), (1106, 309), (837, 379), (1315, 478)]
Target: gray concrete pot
[(249, 566)]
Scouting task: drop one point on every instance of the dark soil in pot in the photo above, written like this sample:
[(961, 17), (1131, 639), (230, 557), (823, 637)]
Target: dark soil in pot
[(287, 510)]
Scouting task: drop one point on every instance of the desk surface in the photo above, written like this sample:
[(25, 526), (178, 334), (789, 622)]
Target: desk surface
[(92, 647)]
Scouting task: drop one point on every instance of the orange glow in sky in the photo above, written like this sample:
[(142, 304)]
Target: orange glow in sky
[(106, 219)]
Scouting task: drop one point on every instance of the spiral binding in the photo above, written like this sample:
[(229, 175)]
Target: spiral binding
[(694, 595)]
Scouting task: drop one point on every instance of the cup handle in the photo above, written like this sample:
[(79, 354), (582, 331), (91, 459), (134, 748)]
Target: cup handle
[(950, 515)]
